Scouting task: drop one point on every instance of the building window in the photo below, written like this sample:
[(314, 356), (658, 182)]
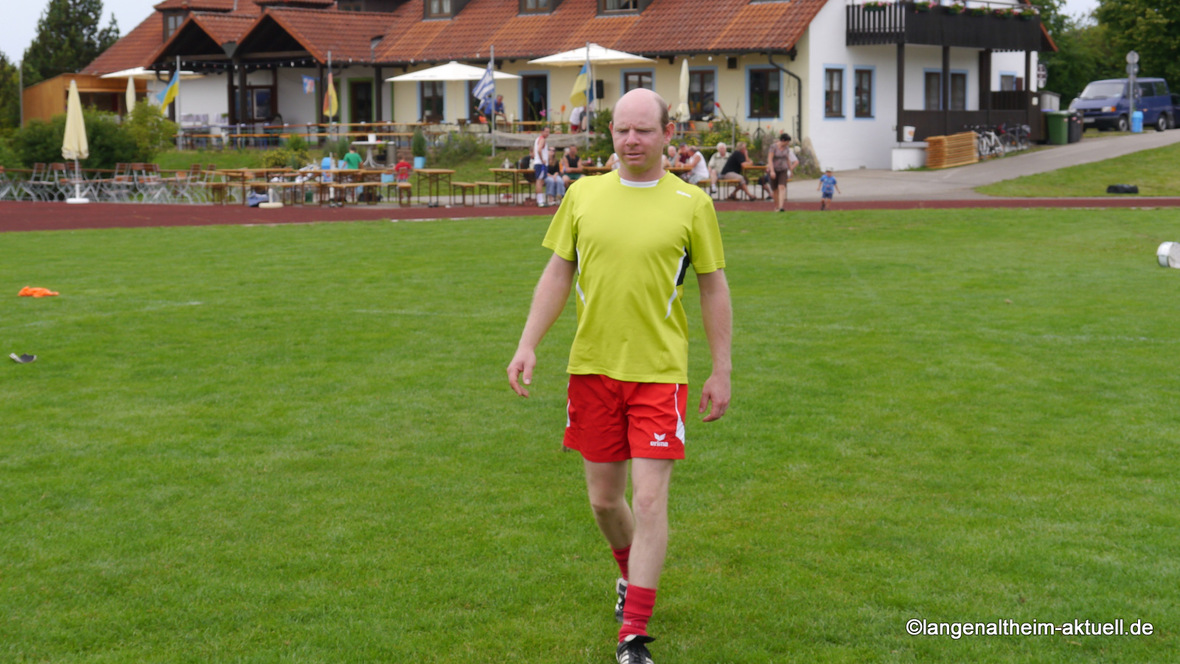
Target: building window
[(933, 91), (350, 5), (637, 79), (1009, 82), (534, 6), (702, 88), (764, 92), (833, 93), (172, 21), (958, 91), (863, 94), (431, 100), (438, 9)]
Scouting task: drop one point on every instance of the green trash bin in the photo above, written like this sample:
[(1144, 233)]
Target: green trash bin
[(1057, 123)]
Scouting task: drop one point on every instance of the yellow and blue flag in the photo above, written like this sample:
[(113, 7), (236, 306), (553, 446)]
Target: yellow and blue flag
[(582, 93), (168, 94)]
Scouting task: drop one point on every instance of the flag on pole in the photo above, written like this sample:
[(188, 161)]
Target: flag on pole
[(582, 93), (168, 94), (331, 103), (486, 87), (308, 85)]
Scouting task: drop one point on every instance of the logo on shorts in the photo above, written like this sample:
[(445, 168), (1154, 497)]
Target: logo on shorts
[(659, 441)]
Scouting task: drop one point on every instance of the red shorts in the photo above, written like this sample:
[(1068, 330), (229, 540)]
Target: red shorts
[(610, 420)]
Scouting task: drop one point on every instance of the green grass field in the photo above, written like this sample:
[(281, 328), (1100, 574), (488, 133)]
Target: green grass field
[(1156, 172), (297, 444)]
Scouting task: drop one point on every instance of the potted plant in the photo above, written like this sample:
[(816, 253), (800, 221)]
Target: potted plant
[(925, 5), (875, 6), (978, 11), (1002, 12), (418, 149), (1026, 13), (954, 8)]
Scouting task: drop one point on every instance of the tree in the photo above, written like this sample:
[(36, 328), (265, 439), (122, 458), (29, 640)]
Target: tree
[(68, 38), (1083, 54), (1150, 27), (9, 94)]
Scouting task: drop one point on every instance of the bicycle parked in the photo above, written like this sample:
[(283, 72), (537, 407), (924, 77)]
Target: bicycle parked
[(1015, 137), (987, 142)]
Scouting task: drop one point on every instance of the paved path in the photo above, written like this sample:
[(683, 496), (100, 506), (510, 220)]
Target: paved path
[(958, 183)]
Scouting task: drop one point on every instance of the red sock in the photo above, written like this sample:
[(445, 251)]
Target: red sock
[(637, 611), (622, 556)]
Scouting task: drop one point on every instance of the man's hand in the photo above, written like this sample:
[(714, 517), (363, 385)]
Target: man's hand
[(520, 371), (714, 397)]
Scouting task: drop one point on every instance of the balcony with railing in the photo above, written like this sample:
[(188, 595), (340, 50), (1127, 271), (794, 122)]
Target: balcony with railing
[(970, 25)]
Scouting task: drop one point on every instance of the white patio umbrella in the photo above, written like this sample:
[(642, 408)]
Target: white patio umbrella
[(597, 55), (74, 145), (151, 74), (682, 107), (452, 71)]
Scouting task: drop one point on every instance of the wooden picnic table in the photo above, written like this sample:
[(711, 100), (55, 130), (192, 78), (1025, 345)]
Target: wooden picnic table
[(515, 177), (432, 180)]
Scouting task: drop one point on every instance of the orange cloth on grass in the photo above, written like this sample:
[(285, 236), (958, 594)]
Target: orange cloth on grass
[(35, 292)]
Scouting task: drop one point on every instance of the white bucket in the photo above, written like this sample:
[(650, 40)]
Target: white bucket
[(907, 134)]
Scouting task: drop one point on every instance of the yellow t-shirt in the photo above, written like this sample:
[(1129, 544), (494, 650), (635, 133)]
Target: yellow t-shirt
[(633, 245)]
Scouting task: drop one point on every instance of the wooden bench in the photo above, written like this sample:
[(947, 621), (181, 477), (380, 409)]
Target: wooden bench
[(369, 190), (490, 192), (464, 188), (405, 192)]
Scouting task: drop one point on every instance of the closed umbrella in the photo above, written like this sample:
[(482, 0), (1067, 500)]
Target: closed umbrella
[(130, 95), (74, 145), (682, 107)]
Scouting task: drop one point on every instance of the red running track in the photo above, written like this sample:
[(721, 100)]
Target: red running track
[(25, 216)]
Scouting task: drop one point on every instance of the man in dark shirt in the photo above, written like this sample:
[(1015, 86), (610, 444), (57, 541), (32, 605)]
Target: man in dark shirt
[(732, 171)]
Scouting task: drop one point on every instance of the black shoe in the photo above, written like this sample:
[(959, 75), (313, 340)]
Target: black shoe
[(633, 650), (621, 589)]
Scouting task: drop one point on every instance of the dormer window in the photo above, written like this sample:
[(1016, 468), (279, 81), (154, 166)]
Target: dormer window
[(622, 6), (438, 8), (172, 21), (538, 6)]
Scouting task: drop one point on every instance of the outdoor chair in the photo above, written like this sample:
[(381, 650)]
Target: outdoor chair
[(121, 187), (7, 188), (39, 186), (149, 184), (70, 182)]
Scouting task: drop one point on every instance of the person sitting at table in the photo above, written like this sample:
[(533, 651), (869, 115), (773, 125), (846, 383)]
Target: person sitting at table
[(555, 182), (716, 163), (698, 171), (732, 171), (571, 166), (670, 157)]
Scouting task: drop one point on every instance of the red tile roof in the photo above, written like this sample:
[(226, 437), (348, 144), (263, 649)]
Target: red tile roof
[(224, 28), (348, 35), (666, 27), (132, 50), (243, 6)]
